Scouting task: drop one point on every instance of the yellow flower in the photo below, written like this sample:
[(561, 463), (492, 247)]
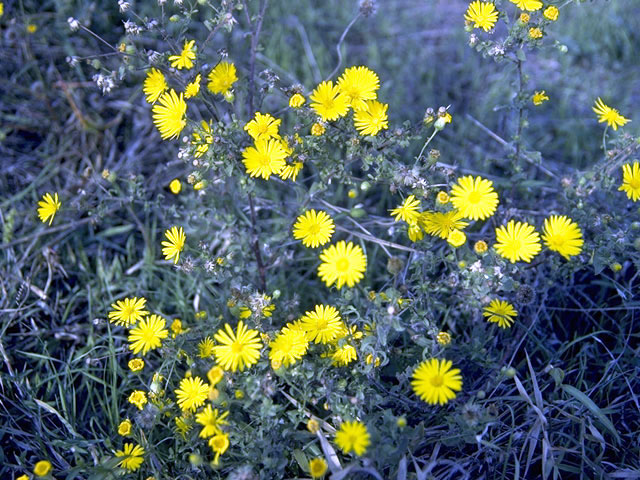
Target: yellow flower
[(205, 348), (211, 420), (128, 311), (456, 238), (186, 57), (317, 467), (124, 428), (562, 235), (313, 228), (517, 241), (442, 197), (132, 456), (415, 233), (342, 263), (530, 5), (551, 13), (2, 13), (288, 347), (535, 33), (371, 118), (482, 14), (296, 100), (435, 382), (474, 197), (136, 364), (138, 398), (42, 468), (329, 102), (154, 85), (183, 425), (317, 129), (344, 355), (609, 115), (441, 224), (631, 181), (539, 97), (353, 437), (408, 211), (192, 393), (444, 338), (203, 141), (222, 78), (25, 476), (174, 244), (169, 115), (215, 374), (290, 171), (193, 88), (237, 351), (500, 312), (175, 186), (148, 334), (265, 158), (525, 17), (31, 28), (322, 325), (48, 207), (219, 444), (263, 127), (177, 328), (359, 84), (313, 426), (480, 247)]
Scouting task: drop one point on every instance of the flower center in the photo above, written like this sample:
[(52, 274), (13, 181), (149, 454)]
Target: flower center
[(237, 347), (314, 229), (474, 197), (342, 265), (264, 161), (437, 380), (634, 183)]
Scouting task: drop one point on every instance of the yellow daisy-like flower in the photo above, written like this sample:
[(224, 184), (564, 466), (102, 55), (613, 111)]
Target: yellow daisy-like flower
[(415, 233), (222, 78), (205, 348), (175, 186), (344, 355), (609, 115), (482, 14), (169, 115), (441, 224), (313, 228), (186, 57), (42, 468), (124, 428), (237, 350), (154, 85), (317, 129), (219, 444), (136, 364), (138, 398), (371, 118), (192, 393), (631, 181), (317, 467), (562, 235), (148, 334), (535, 33), (263, 127), (211, 420), (131, 456), (288, 347), (456, 238), (323, 324), (359, 84), (353, 437), (183, 425), (444, 338), (517, 241), (475, 198), (128, 311), (551, 13), (500, 312), (48, 206), (529, 5), (539, 98), (408, 211), (215, 374), (296, 100), (265, 158), (342, 263), (290, 171), (193, 88), (435, 382), (174, 244), (329, 102)]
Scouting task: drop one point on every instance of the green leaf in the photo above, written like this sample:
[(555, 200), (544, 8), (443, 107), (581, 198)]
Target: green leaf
[(593, 408)]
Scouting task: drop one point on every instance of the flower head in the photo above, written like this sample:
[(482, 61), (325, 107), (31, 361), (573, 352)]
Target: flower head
[(289, 346), (441, 224), (435, 382), (169, 115), (517, 241), (131, 456), (359, 84), (138, 398), (539, 97), (263, 127), (136, 364), (342, 263), (174, 244), (313, 228), (192, 89), (500, 312), (192, 393), (175, 186), (353, 437), (530, 5), (222, 77), (128, 311), (296, 100), (535, 33), (154, 85), (609, 115), (186, 57), (562, 235), (551, 13), (265, 158), (215, 374), (371, 118), (480, 247), (474, 197), (290, 171), (323, 324), (317, 129), (456, 238), (211, 420), (148, 334), (329, 102), (42, 468), (444, 338), (237, 351), (631, 181), (48, 206), (219, 444), (124, 428), (317, 467), (344, 355), (205, 348), (482, 14), (408, 211)]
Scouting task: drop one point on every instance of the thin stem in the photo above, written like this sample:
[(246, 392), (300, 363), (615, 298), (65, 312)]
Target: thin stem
[(255, 244), (425, 144), (342, 37)]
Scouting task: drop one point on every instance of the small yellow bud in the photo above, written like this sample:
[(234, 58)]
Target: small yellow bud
[(317, 129), (313, 426), (442, 198), (175, 186), (239, 394), (480, 247), (401, 422), (444, 338)]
